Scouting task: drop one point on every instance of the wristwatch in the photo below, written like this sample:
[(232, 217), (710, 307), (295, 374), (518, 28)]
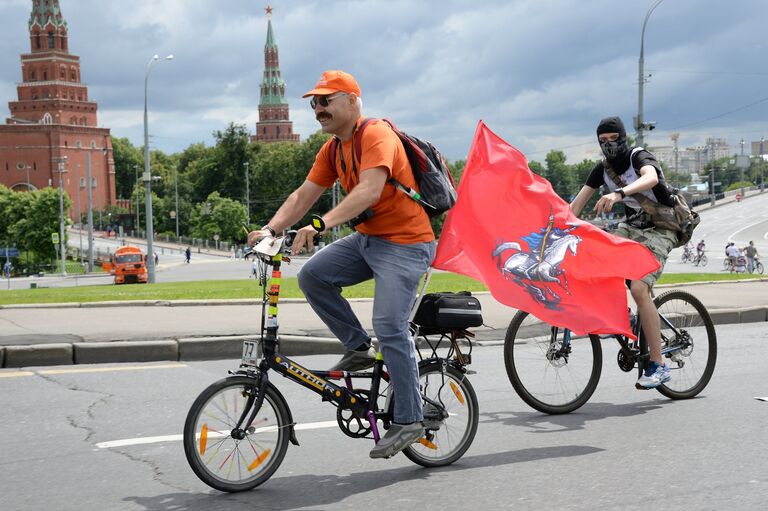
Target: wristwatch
[(620, 191), (318, 223), (272, 232)]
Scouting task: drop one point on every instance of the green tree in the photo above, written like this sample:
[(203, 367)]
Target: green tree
[(127, 159), (218, 215), (36, 217)]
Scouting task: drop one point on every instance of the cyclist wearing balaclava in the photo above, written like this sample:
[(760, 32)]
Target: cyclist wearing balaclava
[(640, 173)]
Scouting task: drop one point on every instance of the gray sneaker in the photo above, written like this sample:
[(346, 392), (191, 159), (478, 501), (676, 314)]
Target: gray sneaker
[(398, 437), (355, 360)]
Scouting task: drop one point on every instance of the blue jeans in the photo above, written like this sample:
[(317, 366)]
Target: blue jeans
[(396, 270)]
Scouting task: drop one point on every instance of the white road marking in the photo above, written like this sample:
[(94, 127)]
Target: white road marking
[(177, 438)]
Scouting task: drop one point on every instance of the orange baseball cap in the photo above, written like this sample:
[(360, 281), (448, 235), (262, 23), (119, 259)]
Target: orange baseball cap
[(334, 81)]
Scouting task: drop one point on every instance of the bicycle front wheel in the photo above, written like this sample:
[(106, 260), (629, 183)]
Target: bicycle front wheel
[(688, 343), (551, 372), (236, 460), (703, 261), (450, 416), (758, 267)]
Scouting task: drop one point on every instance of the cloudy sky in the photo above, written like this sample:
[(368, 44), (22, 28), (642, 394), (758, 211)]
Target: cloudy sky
[(540, 73)]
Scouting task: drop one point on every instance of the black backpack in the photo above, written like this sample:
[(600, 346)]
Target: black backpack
[(437, 192)]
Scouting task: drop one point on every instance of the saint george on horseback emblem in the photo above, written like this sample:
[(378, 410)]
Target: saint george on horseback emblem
[(538, 268)]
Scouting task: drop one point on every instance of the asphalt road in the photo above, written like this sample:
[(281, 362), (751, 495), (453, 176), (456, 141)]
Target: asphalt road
[(625, 449)]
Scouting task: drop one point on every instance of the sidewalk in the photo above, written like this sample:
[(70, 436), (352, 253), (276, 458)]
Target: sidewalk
[(147, 331)]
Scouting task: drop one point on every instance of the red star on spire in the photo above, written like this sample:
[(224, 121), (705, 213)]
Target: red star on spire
[(268, 8)]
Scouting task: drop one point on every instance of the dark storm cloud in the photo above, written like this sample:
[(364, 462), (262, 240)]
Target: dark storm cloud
[(541, 73)]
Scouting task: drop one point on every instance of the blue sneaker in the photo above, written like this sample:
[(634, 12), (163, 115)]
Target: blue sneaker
[(654, 376)]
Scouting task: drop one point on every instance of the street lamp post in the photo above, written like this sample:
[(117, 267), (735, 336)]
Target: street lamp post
[(138, 207), (147, 177), (89, 187), (176, 186), (62, 162), (762, 166), (640, 125), (247, 195)]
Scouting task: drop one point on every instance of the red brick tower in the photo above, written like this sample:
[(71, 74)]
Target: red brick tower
[(52, 125), (274, 123)]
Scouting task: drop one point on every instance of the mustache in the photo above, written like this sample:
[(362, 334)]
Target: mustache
[(322, 115)]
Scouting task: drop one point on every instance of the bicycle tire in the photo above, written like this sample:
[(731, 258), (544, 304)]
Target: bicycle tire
[(448, 386), (703, 261), (215, 456), (758, 268), (693, 364), (566, 385)]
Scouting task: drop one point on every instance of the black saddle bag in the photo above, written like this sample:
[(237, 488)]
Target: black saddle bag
[(449, 311)]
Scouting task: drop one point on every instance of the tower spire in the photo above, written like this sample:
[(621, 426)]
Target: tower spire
[(274, 124), (44, 12), (47, 27)]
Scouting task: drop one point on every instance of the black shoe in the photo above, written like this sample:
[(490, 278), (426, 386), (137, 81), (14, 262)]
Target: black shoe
[(355, 360), (398, 437)]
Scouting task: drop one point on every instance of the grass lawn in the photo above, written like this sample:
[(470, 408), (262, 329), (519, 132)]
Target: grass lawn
[(239, 289)]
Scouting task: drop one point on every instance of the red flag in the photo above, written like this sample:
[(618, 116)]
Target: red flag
[(511, 231)]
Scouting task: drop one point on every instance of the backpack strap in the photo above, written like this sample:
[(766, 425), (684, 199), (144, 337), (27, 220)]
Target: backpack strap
[(357, 147)]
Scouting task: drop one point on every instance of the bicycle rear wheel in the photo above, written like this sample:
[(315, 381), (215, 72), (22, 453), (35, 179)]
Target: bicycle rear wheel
[(688, 343), (213, 448), (450, 416), (550, 373), (758, 267)]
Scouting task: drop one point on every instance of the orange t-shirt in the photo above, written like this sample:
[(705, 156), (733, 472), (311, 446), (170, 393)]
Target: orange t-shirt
[(397, 217)]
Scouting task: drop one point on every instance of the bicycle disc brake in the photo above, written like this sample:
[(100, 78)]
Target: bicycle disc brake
[(351, 424)]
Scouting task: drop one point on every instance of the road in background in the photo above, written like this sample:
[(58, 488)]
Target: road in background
[(733, 221)]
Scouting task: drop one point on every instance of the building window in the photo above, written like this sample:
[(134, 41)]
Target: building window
[(278, 132), (51, 45), (82, 182), (32, 75), (62, 73), (93, 182), (93, 142), (20, 165), (37, 41), (79, 144), (45, 75)]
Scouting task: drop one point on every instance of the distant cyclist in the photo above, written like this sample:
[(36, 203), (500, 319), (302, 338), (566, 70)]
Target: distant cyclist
[(700, 248), (751, 252)]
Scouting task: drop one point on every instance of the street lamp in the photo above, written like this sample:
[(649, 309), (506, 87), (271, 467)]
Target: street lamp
[(147, 177), (247, 195), (639, 124)]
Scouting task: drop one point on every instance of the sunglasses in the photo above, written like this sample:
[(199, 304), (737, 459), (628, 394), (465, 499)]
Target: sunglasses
[(323, 101)]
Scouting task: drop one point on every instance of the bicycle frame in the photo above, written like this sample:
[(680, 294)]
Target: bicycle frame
[(634, 350), (316, 381)]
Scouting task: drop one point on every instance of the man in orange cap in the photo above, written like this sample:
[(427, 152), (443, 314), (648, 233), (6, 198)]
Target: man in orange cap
[(393, 243)]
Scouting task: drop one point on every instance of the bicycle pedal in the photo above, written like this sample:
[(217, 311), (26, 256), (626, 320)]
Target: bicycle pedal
[(640, 387)]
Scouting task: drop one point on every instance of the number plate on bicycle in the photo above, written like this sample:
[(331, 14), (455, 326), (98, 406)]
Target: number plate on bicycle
[(251, 353)]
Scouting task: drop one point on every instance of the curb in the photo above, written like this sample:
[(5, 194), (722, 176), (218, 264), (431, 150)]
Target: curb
[(228, 347), (177, 350)]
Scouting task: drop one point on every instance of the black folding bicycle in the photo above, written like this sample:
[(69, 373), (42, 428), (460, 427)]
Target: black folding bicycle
[(237, 431)]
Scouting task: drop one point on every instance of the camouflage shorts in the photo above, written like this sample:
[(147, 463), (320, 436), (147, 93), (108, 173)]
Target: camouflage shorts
[(659, 241)]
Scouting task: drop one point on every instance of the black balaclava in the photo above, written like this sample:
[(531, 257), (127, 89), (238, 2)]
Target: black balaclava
[(617, 153)]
